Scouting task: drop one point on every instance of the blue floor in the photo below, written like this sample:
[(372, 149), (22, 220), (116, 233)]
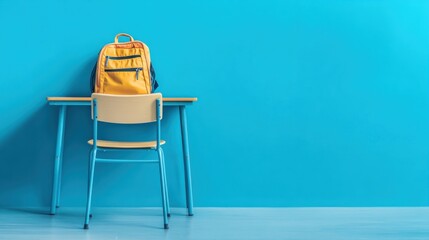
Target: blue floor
[(219, 223)]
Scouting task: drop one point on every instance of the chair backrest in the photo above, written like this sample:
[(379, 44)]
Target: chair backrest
[(126, 109)]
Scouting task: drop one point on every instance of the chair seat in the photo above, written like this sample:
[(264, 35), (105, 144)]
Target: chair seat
[(114, 144)]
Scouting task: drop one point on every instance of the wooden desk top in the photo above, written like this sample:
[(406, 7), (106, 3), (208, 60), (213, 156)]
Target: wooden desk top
[(88, 99)]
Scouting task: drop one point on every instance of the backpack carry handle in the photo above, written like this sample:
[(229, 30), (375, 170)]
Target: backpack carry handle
[(125, 35)]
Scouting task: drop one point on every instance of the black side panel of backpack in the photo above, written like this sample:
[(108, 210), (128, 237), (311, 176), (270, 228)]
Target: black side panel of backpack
[(92, 78), (153, 81)]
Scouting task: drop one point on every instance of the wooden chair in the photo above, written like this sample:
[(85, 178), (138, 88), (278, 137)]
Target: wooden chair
[(127, 109)]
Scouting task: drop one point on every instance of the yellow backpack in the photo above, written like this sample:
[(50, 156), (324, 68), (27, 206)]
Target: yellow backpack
[(124, 68)]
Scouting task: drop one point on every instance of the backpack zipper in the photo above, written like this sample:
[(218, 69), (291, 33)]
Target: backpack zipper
[(120, 58), (137, 70)]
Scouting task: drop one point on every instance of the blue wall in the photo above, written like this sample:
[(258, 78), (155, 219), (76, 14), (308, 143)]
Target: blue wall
[(301, 103)]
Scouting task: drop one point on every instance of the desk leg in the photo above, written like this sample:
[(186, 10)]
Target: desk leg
[(186, 160), (61, 162), (58, 159)]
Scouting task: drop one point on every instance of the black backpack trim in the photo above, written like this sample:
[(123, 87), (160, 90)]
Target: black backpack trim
[(92, 78), (153, 81)]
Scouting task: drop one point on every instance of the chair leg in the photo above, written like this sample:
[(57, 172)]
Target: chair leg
[(90, 186), (89, 174), (166, 183), (164, 198)]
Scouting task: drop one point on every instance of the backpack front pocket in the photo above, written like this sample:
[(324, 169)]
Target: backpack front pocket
[(117, 72), (125, 80), (131, 61)]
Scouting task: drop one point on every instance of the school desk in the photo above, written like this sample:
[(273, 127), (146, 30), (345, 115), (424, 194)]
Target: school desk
[(64, 102)]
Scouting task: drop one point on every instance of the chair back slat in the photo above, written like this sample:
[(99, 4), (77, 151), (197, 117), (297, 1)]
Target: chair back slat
[(126, 109)]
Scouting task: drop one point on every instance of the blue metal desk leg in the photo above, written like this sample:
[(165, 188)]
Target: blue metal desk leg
[(61, 160), (186, 161), (58, 159)]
